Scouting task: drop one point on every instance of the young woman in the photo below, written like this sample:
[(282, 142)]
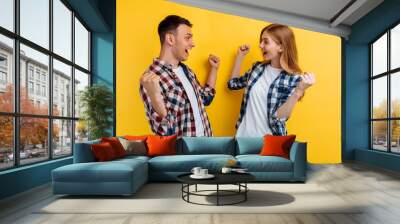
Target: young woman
[(272, 87)]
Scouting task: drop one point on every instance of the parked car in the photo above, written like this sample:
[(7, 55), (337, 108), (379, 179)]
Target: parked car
[(22, 155)]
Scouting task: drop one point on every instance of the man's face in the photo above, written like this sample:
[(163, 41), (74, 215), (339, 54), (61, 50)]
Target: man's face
[(183, 42)]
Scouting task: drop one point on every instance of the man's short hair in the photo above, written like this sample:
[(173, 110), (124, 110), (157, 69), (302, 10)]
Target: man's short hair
[(170, 23)]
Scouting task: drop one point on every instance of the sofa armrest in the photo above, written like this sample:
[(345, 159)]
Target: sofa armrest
[(83, 152), (298, 155)]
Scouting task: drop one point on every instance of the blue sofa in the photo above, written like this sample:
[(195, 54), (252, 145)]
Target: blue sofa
[(125, 176)]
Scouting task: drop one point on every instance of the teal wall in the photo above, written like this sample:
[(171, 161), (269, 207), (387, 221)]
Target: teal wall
[(99, 15), (24, 178), (356, 85), (102, 59), (103, 63)]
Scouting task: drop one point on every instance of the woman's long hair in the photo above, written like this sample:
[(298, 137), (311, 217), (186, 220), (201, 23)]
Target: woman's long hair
[(284, 36)]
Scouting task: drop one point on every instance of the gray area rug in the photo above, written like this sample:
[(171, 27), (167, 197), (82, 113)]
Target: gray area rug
[(166, 198)]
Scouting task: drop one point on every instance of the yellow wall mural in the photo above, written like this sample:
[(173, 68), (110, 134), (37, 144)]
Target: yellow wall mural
[(316, 119)]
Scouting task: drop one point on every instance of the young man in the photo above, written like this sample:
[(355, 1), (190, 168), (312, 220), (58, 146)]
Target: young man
[(173, 97)]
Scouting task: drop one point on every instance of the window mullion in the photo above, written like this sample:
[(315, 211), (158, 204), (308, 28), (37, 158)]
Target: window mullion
[(389, 106), (73, 82), (371, 140), (50, 77), (16, 70)]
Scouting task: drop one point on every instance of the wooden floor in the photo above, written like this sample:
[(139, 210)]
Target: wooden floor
[(377, 188)]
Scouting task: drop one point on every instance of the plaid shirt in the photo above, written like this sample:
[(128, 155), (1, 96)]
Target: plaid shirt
[(180, 117), (280, 90)]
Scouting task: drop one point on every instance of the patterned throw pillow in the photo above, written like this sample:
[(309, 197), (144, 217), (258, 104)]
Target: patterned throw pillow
[(134, 147)]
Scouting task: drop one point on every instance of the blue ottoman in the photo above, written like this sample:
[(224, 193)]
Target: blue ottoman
[(118, 177)]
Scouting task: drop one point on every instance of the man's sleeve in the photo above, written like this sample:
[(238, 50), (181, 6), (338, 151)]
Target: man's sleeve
[(159, 125), (207, 94)]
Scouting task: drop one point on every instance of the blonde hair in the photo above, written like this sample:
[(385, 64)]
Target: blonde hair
[(284, 36)]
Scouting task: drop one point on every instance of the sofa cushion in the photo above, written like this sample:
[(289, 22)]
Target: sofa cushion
[(277, 145), (185, 163), (134, 147), (116, 145), (132, 158), (249, 145), (103, 151), (111, 171), (161, 145), (206, 145), (134, 137), (83, 152), (257, 163)]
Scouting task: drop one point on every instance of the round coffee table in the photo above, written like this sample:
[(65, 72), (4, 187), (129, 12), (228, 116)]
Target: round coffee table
[(238, 179)]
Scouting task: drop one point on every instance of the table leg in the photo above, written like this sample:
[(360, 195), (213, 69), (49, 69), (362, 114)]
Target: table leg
[(217, 194), (245, 193), (188, 189)]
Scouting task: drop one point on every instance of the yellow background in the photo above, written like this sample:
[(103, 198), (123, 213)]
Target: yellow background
[(316, 119)]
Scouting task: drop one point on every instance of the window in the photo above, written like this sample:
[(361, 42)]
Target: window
[(3, 78), (37, 89), (3, 72), (30, 87), (37, 75), (62, 75), (34, 21), (62, 31), (44, 91), (62, 137), (81, 81), (33, 149), (385, 92), (3, 61), (7, 14), (47, 76), (6, 142), (6, 73), (81, 45), (30, 72)]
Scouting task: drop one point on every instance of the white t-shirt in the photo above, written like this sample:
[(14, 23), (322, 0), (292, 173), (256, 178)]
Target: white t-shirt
[(192, 98), (255, 120)]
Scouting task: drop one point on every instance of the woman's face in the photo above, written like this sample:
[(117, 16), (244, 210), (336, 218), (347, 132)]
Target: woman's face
[(269, 48)]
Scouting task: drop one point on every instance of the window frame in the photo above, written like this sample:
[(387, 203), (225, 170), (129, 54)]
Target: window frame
[(388, 74), (16, 114)]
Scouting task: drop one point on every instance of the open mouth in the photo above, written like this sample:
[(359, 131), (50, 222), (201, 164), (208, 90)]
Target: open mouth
[(187, 51)]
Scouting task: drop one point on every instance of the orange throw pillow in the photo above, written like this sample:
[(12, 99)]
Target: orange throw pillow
[(131, 137), (103, 152), (116, 145), (161, 145), (277, 145)]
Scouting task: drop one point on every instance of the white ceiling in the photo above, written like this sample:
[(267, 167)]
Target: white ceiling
[(326, 16), (321, 9)]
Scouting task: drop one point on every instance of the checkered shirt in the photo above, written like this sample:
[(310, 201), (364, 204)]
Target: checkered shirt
[(279, 91), (180, 117)]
